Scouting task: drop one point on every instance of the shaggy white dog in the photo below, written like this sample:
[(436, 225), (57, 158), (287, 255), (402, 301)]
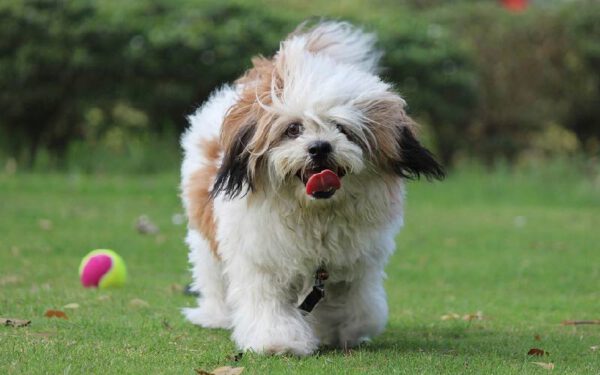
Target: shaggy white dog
[(293, 181)]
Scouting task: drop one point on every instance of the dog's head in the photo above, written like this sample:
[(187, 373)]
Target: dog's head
[(314, 115)]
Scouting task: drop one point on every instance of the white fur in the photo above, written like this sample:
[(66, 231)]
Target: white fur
[(271, 241), (206, 124), (342, 42)]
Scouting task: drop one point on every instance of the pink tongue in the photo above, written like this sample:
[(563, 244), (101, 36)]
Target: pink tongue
[(325, 180)]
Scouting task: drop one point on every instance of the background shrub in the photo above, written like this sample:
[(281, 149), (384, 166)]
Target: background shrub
[(116, 79), (97, 71)]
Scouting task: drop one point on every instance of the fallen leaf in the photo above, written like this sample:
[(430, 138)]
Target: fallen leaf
[(145, 226), (166, 325), (9, 322), (537, 337), (594, 348), (45, 224), (477, 316), (176, 288), (579, 322), (450, 316), (536, 351), (71, 306), (228, 370), (136, 302), (103, 297), (547, 366), (55, 314), (9, 279), (225, 370)]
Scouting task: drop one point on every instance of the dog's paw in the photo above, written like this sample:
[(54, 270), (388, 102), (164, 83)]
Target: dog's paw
[(279, 341), (353, 335), (283, 347), (208, 315), (347, 342)]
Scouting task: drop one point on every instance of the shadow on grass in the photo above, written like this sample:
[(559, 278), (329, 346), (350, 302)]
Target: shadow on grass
[(460, 339)]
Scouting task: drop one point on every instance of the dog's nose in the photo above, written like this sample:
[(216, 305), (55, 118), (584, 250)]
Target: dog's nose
[(319, 149)]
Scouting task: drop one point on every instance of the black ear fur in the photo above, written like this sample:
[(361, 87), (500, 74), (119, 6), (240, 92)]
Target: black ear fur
[(233, 178), (416, 159)]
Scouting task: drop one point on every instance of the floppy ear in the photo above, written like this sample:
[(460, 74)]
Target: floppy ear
[(233, 176), (244, 132), (414, 159), (394, 138)]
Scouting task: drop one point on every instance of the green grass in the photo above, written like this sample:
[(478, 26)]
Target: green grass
[(522, 248)]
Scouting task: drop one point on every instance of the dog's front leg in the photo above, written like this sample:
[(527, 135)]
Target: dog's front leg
[(265, 319), (365, 308), (352, 312)]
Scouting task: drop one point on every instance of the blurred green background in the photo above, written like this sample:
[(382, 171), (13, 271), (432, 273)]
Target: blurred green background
[(105, 86), (94, 96)]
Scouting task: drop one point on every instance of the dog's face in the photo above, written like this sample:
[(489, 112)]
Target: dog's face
[(300, 114), (309, 145)]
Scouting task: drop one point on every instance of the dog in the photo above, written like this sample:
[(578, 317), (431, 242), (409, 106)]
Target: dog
[(293, 185)]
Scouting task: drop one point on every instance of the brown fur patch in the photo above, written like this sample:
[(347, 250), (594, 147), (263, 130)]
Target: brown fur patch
[(386, 119), (200, 208), (259, 83)]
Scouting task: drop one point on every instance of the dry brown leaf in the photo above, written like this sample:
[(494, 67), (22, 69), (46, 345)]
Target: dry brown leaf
[(176, 288), (9, 279), (450, 316), (225, 370), (144, 225), (547, 366), (477, 316), (537, 337), (71, 306), (9, 322), (536, 351), (594, 348), (55, 314), (16, 251), (228, 370), (45, 224), (137, 302), (580, 322)]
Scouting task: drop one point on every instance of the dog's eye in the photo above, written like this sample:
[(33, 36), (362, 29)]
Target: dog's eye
[(341, 128), (294, 130)]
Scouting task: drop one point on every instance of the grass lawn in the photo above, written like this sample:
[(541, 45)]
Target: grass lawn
[(523, 249)]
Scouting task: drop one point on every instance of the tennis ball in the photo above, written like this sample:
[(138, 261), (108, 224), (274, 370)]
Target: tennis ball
[(102, 269)]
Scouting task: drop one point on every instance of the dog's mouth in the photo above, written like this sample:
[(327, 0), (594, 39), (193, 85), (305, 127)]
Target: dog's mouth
[(321, 182)]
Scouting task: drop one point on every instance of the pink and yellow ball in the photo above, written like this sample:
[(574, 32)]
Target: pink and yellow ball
[(102, 268)]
